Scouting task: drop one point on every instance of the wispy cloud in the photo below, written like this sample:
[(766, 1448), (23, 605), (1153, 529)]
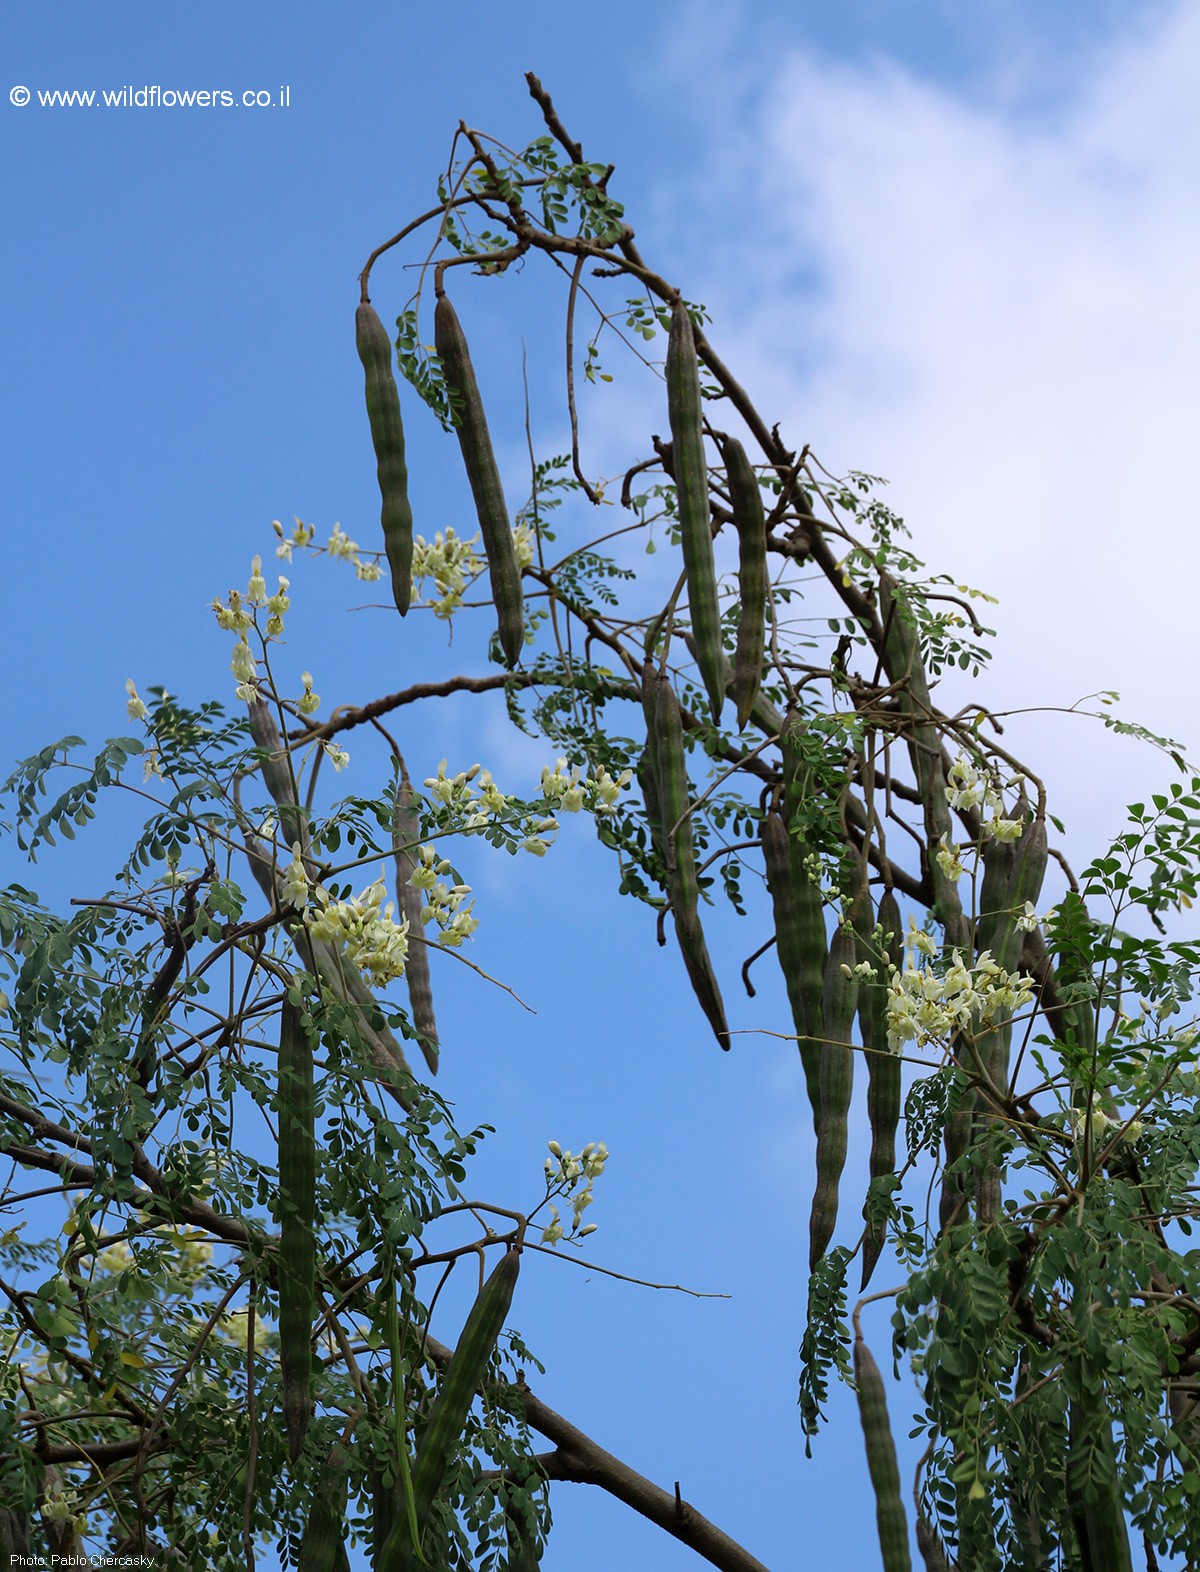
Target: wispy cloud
[(996, 308)]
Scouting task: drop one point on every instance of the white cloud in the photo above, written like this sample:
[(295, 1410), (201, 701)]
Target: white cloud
[(999, 311)]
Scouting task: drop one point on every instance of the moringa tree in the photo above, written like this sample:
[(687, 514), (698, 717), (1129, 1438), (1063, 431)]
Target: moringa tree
[(217, 1075)]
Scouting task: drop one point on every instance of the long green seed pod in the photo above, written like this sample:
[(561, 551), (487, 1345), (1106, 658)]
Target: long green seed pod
[(447, 1420), (406, 832), (795, 773), (325, 1531), (890, 1517), (902, 660), (484, 477), (1030, 856), (387, 436), (1093, 1490), (883, 1066), (799, 943), (745, 498), (1025, 885), (685, 410), (683, 887), (930, 1546), (999, 858), (839, 1000), (521, 1533), (297, 1223)]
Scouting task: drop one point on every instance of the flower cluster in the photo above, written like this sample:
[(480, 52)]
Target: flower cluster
[(451, 562), (475, 796), (563, 788), (443, 902), (66, 1510), (236, 615), (375, 943), (928, 1005), (574, 1177), (338, 545), (192, 1252), (301, 535), (968, 786)]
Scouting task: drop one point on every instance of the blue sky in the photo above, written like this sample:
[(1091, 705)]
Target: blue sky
[(953, 245)]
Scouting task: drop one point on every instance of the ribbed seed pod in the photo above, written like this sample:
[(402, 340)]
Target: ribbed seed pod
[(1093, 1490), (957, 1140), (323, 1546), (902, 660), (406, 832), (447, 1420), (685, 410), (483, 474), (522, 1538), (1030, 856), (999, 858), (930, 1546), (386, 1507), (800, 943), (890, 1517), (745, 499), (670, 773), (795, 781), (649, 786), (838, 1003), (883, 1066), (387, 436), (297, 1222)]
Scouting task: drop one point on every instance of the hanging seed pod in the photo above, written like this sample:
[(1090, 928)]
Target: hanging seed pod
[(322, 1548), (999, 858), (447, 1420), (883, 1066), (684, 405), (387, 436), (406, 832), (1093, 1489), (839, 1001), (1030, 858), (521, 1534), (683, 886), (902, 660), (795, 771), (799, 943), (297, 1223), (930, 1546), (484, 477), (957, 1139), (890, 1517), (387, 1506), (1031, 854), (745, 498)]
